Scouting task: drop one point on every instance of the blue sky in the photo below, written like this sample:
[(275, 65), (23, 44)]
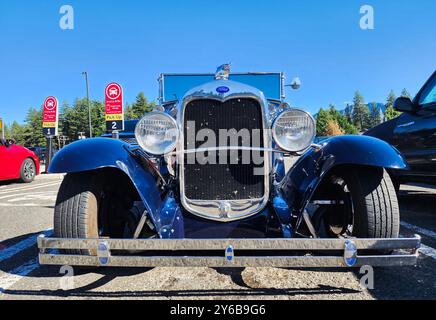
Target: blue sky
[(133, 41)]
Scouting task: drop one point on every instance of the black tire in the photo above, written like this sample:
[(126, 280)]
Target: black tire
[(377, 213), (374, 204), (27, 171), (397, 185), (76, 211)]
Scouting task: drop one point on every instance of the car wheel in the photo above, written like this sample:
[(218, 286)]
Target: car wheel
[(365, 205), (27, 171), (85, 208), (76, 210)]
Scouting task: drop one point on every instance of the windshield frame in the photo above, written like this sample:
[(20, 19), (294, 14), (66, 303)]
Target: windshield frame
[(430, 81), (162, 76)]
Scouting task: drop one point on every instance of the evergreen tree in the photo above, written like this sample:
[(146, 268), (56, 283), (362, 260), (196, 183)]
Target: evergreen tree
[(345, 125), (33, 130), (74, 119), (322, 120), (406, 94), (390, 112), (98, 118), (141, 106), (18, 133), (390, 99), (128, 112), (360, 112), (375, 117), (349, 113)]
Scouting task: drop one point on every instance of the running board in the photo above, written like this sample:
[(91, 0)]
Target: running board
[(231, 252)]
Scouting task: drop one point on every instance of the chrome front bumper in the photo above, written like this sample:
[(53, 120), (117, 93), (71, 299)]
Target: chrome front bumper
[(231, 252)]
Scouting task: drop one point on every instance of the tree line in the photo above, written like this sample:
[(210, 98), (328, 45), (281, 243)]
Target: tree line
[(72, 120), (357, 117)]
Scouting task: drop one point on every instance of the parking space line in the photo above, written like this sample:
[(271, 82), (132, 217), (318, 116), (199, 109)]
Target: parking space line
[(428, 251), (22, 245), (24, 186), (30, 187), (425, 232), (12, 277), (424, 250)]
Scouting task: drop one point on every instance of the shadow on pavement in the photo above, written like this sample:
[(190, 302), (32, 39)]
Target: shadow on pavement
[(81, 293), (400, 283), (10, 182), (20, 250)]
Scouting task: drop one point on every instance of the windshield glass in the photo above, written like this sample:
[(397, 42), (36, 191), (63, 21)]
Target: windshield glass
[(428, 95), (174, 86)]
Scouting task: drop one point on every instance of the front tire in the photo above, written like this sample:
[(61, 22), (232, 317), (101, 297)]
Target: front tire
[(76, 211), (367, 204)]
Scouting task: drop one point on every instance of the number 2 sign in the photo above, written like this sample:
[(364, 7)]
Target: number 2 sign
[(114, 107)]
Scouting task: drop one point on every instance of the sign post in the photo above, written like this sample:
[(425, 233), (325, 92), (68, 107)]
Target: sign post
[(2, 128), (50, 126), (114, 109)]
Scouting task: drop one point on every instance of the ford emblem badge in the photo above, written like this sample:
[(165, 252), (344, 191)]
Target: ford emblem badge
[(230, 254), (223, 89), (350, 253)]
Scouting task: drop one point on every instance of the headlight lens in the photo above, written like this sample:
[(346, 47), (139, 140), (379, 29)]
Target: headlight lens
[(294, 130), (157, 133)]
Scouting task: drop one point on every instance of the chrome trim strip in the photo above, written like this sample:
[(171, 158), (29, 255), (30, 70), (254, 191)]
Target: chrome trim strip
[(200, 150), (239, 208)]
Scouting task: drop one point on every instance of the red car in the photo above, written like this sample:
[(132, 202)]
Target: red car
[(17, 162)]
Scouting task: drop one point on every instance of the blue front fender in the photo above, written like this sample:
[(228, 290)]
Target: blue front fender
[(301, 182), (93, 154)]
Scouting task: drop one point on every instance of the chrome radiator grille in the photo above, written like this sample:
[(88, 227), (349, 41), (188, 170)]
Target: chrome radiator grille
[(232, 179)]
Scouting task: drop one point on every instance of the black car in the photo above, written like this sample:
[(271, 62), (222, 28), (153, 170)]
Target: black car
[(414, 134), (39, 151)]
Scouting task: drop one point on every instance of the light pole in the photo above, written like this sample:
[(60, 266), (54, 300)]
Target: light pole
[(85, 73)]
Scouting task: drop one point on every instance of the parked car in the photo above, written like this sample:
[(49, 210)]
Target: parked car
[(17, 162), (39, 151), (204, 184), (42, 151), (413, 133)]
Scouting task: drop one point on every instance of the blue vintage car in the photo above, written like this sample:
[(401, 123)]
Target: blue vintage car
[(201, 181)]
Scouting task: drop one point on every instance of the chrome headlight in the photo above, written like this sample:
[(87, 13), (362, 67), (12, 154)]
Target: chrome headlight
[(157, 133), (294, 130)]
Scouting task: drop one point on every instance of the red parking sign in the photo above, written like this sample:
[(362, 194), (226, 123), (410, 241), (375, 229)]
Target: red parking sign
[(114, 107), (50, 117)]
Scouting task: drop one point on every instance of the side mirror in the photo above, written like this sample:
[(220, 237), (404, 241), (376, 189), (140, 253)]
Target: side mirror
[(404, 104), (295, 84)]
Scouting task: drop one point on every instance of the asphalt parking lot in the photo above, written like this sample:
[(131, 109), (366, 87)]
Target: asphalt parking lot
[(26, 211)]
